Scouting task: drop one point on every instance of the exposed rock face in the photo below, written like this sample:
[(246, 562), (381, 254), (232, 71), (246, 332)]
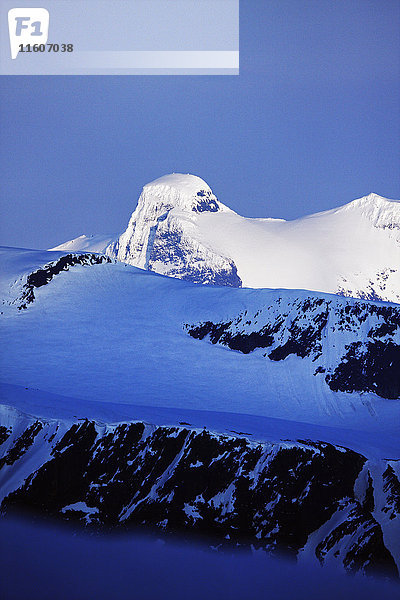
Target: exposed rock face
[(376, 287), (325, 331), (301, 497), (44, 275), (159, 234)]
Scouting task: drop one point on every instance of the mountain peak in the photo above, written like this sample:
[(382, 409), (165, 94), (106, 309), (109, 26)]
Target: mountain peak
[(159, 236), (381, 212), (182, 191), (184, 181), (375, 199)]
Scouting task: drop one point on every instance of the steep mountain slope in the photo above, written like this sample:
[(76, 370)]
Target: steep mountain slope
[(309, 499), (180, 229)]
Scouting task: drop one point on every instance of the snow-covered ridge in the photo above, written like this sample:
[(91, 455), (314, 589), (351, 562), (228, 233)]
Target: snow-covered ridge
[(306, 498), (90, 243), (141, 423), (182, 230), (354, 347), (381, 212), (21, 291)]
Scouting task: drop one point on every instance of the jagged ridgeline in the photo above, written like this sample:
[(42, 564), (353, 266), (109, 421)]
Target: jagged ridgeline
[(325, 331), (305, 498)]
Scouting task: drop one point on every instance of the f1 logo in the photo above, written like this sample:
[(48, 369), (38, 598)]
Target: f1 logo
[(27, 26)]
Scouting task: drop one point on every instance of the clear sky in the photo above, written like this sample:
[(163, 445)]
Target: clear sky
[(311, 122)]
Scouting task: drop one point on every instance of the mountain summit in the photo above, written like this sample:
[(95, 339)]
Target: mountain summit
[(182, 230), (185, 192), (161, 234)]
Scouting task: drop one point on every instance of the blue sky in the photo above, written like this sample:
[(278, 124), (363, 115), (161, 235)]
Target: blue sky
[(311, 122)]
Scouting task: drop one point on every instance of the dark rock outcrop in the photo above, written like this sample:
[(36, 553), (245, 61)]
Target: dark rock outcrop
[(311, 328), (170, 248), (283, 496), (44, 275)]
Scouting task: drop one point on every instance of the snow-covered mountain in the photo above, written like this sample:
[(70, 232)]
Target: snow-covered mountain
[(269, 416), (162, 233), (180, 229)]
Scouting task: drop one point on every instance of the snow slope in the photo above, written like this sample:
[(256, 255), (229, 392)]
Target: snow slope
[(115, 333), (91, 243), (354, 249), (180, 229)]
